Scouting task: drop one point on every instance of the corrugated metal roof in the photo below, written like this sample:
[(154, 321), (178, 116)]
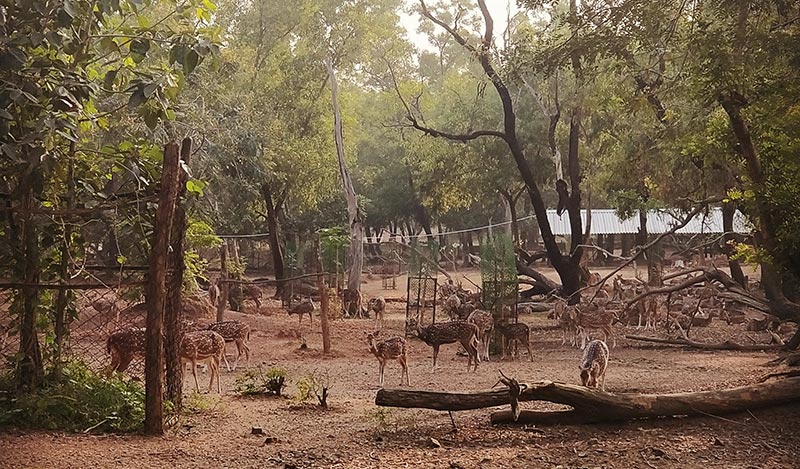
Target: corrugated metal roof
[(606, 221)]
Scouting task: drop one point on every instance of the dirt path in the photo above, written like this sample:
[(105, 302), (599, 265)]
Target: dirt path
[(356, 433)]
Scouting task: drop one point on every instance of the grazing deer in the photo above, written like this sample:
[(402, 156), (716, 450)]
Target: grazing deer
[(451, 332), (515, 333), (393, 348), (234, 331), (202, 346), (594, 318), (350, 299), (124, 346), (594, 364), (485, 323), (254, 293), (378, 306), (568, 323), (304, 307), (107, 307)]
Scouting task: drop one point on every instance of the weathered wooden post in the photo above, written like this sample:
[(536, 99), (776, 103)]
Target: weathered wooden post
[(324, 305), (154, 358), (224, 286)]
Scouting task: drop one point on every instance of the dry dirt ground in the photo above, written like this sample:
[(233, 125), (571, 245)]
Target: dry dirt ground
[(355, 433)]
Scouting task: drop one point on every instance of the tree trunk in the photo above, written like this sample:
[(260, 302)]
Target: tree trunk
[(324, 304), (511, 207), (728, 212), (274, 239), (355, 220), (30, 369), (62, 298), (592, 405), (420, 213), (155, 298), (771, 280), (173, 312)]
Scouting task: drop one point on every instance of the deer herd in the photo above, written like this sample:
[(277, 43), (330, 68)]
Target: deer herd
[(470, 325)]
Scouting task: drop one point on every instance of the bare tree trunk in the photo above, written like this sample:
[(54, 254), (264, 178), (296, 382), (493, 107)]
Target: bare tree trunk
[(728, 212), (30, 369), (155, 298), (275, 247), (62, 299), (354, 215)]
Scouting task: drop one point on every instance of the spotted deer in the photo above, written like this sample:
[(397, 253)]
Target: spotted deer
[(378, 306), (485, 322), (393, 348), (594, 364), (451, 306), (568, 323), (237, 332), (517, 332), (304, 307), (203, 346), (252, 292), (438, 334), (594, 318), (124, 346), (107, 307)]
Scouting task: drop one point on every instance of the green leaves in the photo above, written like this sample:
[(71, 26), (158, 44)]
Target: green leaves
[(195, 186), (139, 48)]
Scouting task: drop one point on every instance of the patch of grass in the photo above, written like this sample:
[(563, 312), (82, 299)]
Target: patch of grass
[(76, 399), (385, 420), (257, 381), (313, 385)]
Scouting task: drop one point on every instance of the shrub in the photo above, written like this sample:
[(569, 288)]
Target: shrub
[(256, 381), (75, 399)]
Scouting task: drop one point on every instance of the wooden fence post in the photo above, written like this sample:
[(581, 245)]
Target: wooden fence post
[(224, 286), (173, 312), (154, 361), (324, 305)]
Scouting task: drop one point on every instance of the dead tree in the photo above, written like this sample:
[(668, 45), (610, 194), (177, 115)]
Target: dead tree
[(354, 215)]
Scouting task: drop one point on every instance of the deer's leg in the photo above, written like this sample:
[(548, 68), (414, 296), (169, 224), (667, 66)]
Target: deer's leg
[(124, 361), (225, 357), (435, 354), (404, 371), (382, 369), (194, 373), (246, 352), (530, 354)]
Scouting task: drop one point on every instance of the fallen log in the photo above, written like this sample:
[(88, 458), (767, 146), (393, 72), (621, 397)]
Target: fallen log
[(727, 345), (594, 406)]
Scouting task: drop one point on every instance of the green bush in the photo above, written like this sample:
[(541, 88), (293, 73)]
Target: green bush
[(256, 381), (74, 399)]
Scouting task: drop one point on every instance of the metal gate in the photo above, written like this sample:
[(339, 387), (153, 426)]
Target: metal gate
[(421, 297)]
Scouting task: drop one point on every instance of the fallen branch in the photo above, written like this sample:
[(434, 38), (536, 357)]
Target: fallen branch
[(727, 345), (592, 405)]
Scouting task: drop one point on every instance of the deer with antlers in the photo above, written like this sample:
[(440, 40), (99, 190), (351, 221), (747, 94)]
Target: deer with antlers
[(393, 348)]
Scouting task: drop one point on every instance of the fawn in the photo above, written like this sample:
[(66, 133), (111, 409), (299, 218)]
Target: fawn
[(378, 306), (393, 348), (594, 364), (304, 307), (485, 323), (451, 332), (515, 332), (234, 331)]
